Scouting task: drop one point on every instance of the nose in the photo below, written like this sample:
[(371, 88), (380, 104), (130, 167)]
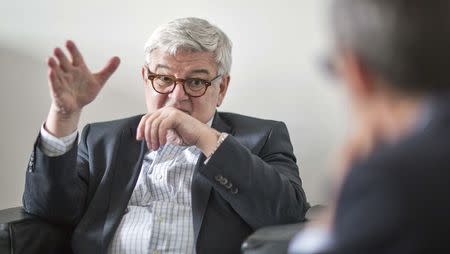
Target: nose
[(178, 93)]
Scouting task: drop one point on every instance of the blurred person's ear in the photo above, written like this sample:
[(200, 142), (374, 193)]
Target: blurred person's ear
[(357, 78)]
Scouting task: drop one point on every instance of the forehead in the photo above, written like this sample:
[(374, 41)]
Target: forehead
[(183, 61)]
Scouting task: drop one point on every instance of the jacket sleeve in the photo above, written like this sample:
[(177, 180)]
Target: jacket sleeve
[(262, 186), (56, 187)]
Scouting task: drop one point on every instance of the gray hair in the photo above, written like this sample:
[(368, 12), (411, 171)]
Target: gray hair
[(193, 34), (406, 42)]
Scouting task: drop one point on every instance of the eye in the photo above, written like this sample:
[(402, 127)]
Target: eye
[(167, 80), (196, 84)]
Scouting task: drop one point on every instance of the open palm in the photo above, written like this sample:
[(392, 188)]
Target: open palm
[(72, 84)]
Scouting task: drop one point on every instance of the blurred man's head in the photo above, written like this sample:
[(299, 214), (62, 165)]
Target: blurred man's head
[(188, 62), (393, 47), (392, 56)]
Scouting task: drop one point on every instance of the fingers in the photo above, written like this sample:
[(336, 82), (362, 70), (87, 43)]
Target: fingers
[(51, 62), (154, 128), (140, 128), (108, 70), (77, 58), (54, 83), (55, 74), (162, 132), (64, 63), (146, 130), (154, 133)]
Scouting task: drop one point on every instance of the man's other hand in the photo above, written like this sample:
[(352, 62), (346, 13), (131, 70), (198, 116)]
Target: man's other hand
[(155, 127)]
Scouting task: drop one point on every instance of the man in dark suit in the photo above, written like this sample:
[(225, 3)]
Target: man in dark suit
[(182, 178), (394, 59)]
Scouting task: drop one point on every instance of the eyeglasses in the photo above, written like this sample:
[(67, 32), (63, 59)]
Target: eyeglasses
[(165, 84)]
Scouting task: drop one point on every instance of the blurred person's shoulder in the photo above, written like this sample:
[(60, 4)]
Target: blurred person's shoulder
[(414, 172)]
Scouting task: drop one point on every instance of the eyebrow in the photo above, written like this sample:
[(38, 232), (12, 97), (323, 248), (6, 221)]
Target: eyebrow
[(161, 66), (195, 71), (199, 71)]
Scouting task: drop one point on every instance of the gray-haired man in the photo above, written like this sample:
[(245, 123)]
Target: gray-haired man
[(182, 178)]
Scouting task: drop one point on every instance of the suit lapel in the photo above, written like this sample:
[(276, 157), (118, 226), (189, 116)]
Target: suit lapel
[(201, 188), (127, 165)]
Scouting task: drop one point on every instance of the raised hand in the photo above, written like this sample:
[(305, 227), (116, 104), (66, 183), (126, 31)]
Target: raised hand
[(72, 86)]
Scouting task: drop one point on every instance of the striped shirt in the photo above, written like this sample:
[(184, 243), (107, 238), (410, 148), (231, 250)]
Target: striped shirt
[(159, 214), (159, 217)]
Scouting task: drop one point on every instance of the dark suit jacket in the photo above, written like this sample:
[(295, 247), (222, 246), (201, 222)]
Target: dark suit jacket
[(398, 201), (89, 187)]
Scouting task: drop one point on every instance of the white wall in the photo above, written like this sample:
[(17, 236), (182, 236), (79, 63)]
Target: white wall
[(275, 74)]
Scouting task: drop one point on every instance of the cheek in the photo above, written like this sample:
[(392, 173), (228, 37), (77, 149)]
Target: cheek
[(154, 100), (204, 107), (207, 101)]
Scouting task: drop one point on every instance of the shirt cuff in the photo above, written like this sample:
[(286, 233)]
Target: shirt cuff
[(220, 140), (53, 146)]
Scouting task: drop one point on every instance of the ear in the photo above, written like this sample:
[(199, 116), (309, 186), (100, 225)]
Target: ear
[(358, 79), (223, 89), (144, 73)]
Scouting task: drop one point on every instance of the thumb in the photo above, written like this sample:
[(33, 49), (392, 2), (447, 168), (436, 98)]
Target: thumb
[(108, 70)]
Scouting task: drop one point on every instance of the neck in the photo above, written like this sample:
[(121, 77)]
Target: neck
[(396, 116)]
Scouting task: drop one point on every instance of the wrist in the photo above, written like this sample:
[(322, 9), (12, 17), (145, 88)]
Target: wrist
[(63, 114), (208, 140), (211, 142), (61, 124)]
